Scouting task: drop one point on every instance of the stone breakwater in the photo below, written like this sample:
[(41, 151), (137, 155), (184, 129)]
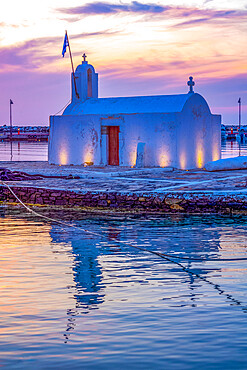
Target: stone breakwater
[(128, 203)]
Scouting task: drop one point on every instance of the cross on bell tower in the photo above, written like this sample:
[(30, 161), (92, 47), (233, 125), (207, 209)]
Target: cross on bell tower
[(191, 83), (84, 57)]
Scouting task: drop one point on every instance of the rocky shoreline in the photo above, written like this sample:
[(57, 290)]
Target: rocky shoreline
[(127, 203), (124, 190)]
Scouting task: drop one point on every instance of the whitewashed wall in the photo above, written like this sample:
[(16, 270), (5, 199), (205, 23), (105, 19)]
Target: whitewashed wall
[(184, 140), (74, 140), (199, 134), (77, 139)]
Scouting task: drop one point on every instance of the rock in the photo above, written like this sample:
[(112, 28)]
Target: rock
[(176, 207), (39, 200), (103, 203), (171, 201)]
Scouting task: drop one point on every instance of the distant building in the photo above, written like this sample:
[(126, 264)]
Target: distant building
[(164, 130)]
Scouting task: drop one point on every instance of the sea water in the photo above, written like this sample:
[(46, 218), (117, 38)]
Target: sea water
[(38, 151), (101, 299), (24, 151), (86, 301)]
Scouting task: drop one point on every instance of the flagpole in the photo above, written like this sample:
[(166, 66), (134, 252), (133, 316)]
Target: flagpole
[(73, 72), (10, 122), (239, 124), (10, 118), (239, 113)]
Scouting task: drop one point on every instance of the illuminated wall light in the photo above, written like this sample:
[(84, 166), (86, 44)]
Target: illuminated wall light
[(163, 160), (88, 158), (216, 153), (199, 158), (182, 161), (133, 158), (63, 157)]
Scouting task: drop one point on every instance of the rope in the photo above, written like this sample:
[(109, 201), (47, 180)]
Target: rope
[(120, 241), (161, 255), (45, 217), (65, 106)]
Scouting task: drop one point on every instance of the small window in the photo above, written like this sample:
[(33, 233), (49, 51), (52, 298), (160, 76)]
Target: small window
[(89, 84)]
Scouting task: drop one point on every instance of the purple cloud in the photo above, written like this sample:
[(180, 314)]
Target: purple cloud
[(33, 53), (191, 22), (108, 8), (27, 54), (194, 15), (92, 34)]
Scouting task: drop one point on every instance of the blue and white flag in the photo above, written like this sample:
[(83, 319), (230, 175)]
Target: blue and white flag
[(65, 44)]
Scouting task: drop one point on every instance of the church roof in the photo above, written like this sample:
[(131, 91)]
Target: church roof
[(128, 105)]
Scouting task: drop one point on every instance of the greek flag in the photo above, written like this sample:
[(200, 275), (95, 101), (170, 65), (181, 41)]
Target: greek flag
[(65, 44)]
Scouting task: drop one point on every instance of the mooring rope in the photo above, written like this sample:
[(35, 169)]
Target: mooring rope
[(161, 255), (119, 241), (65, 106), (45, 217)]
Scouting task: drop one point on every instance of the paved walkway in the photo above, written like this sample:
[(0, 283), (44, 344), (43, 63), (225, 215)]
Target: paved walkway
[(130, 180)]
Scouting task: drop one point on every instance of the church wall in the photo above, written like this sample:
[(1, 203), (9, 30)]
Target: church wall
[(74, 140), (183, 140), (80, 140), (157, 131), (198, 134)]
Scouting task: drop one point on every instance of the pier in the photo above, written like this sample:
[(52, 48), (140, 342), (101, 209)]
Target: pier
[(128, 190)]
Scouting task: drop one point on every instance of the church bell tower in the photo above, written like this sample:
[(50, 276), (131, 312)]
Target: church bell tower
[(86, 80)]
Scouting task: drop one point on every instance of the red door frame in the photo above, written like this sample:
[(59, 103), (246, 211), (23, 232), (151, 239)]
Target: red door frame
[(113, 145)]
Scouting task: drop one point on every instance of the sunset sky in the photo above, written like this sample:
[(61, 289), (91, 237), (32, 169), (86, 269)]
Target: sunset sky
[(146, 47)]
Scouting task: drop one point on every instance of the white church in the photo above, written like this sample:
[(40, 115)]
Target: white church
[(144, 131)]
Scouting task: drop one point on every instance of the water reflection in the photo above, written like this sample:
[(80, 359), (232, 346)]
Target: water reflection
[(124, 304), (23, 151), (202, 246), (233, 149), (87, 276), (176, 234), (87, 273)]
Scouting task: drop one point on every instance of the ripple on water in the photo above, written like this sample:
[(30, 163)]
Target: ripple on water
[(79, 300)]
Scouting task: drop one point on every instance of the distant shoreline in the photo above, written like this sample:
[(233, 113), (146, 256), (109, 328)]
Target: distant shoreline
[(24, 133)]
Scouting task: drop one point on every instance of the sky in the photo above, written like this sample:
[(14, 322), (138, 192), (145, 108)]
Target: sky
[(146, 47)]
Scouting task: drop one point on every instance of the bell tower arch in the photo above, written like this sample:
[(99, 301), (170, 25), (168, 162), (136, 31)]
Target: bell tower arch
[(89, 83), (86, 82)]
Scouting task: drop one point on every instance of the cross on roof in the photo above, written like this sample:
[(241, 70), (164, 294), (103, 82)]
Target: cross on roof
[(84, 57), (191, 83)]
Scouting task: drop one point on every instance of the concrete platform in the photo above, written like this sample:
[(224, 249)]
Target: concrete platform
[(197, 187)]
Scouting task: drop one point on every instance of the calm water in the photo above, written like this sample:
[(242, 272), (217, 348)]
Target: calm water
[(73, 300), (24, 151), (231, 149)]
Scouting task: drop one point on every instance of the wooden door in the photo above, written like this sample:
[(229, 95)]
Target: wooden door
[(113, 136)]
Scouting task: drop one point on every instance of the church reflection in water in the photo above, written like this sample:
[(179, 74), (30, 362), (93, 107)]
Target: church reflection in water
[(87, 276), (87, 273), (88, 289), (179, 235)]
